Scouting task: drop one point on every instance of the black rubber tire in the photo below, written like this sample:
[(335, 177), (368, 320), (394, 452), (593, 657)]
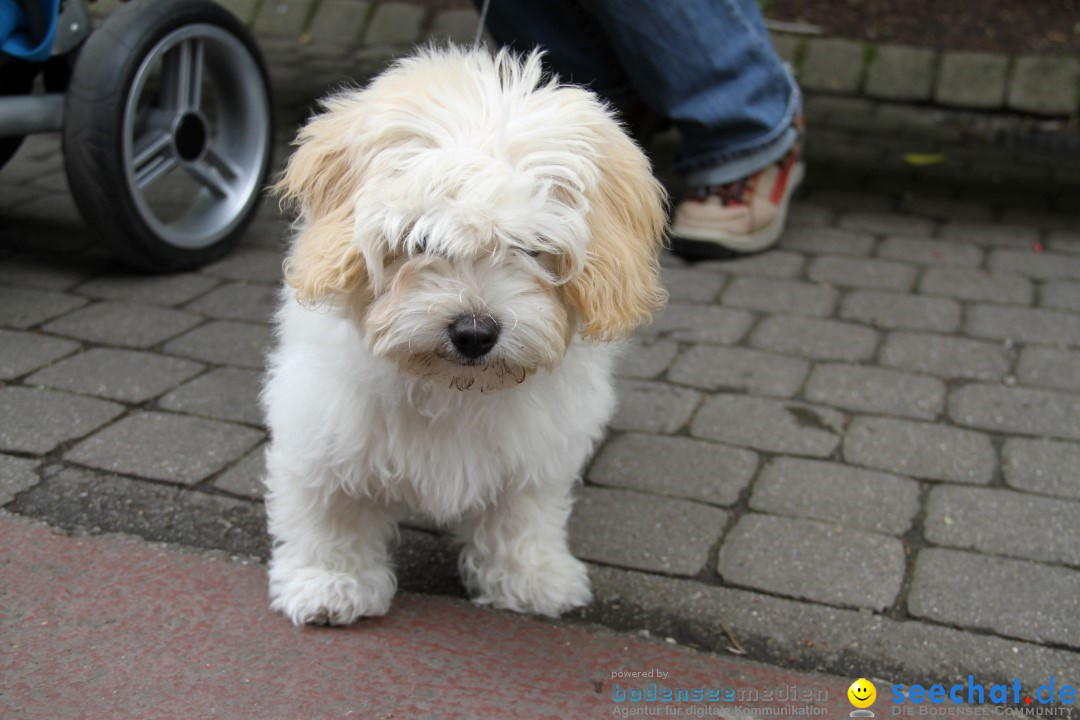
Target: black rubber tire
[(16, 78), (93, 124)]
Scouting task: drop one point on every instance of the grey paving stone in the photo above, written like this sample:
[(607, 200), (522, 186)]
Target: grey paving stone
[(124, 375), (646, 358), (944, 208), (787, 296), (37, 421), (163, 446), (395, 23), (1064, 295), (80, 500), (827, 240), (897, 310), (676, 466), (1006, 173), (110, 323), (250, 264), (1042, 466), (806, 214), (1038, 218), (1049, 368), (846, 642), (1013, 598), (965, 284), (931, 252), (21, 352), (1044, 84), (815, 338), (225, 342), (653, 406), (836, 493), (945, 356), (16, 474), (1023, 324), (831, 106), (832, 64), (1064, 241), (923, 450), (971, 80), (22, 308), (990, 234), (339, 22), (154, 289), (1016, 410), (774, 264), (668, 260), (245, 478), (760, 373), (886, 223), (862, 273), (691, 284), (225, 394), (875, 390), (1044, 266), (242, 9), (900, 73), (786, 46), (845, 200), (691, 322), (238, 301), (1004, 522), (282, 18), (813, 561), (769, 425), (455, 25), (645, 532), (45, 272)]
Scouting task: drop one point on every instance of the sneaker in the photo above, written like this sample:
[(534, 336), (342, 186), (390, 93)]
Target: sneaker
[(744, 216)]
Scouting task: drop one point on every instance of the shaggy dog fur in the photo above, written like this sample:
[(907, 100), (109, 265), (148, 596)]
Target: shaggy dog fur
[(457, 190)]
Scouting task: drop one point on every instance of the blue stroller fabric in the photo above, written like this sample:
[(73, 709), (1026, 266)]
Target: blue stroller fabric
[(28, 28)]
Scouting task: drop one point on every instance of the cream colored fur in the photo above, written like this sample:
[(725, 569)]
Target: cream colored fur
[(455, 183)]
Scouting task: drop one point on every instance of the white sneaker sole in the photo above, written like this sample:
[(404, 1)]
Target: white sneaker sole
[(756, 241)]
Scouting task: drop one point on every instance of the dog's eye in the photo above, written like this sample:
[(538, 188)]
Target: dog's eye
[(420, 246)]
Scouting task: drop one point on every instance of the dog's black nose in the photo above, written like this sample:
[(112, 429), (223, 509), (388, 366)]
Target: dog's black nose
[(474, 335)]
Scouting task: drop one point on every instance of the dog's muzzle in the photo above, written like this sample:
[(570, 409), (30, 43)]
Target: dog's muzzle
[(473, 335)]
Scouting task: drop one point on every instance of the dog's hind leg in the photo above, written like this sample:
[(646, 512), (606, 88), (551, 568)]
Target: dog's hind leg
[(516, 554), (329, 563)]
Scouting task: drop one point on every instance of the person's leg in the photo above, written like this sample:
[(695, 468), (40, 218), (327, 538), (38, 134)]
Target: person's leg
[(578, 50), (708, 65)]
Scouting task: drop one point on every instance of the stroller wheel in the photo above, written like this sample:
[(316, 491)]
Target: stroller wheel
[(168, 132)]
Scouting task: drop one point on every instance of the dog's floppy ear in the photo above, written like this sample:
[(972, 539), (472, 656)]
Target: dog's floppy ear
[(322, 178), (619, 287)]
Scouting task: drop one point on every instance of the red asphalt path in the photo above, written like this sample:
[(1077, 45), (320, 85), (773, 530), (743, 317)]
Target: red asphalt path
[(113, 627)]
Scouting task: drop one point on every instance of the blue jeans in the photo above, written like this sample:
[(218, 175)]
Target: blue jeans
[(707, 65)]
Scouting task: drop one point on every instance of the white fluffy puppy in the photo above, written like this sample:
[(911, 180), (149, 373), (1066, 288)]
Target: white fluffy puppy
[(472, 234)]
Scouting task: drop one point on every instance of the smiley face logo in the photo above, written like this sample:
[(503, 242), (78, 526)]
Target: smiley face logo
[(862, 693)]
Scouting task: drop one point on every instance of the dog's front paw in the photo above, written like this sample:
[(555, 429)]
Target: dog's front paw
[(324, 597), (550, 585)]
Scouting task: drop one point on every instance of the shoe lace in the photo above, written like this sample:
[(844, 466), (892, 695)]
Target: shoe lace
[(732, 193), (739, 191)]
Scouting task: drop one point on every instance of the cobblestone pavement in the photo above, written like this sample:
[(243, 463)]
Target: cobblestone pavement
[(858, 452)]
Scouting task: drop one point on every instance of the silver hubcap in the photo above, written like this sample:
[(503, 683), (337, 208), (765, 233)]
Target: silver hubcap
[(195, 135)]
